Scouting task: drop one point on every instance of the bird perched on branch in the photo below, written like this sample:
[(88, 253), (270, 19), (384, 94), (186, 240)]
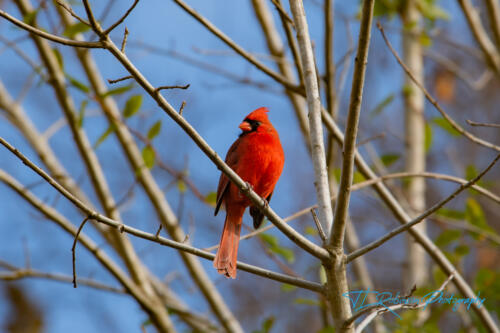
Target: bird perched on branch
[(257, 157)]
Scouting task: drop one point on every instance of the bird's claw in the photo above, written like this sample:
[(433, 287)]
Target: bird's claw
[(249, 186)]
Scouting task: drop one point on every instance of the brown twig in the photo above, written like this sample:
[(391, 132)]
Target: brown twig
[(48, 36), (69, 10), (128, 77), (322, 234), (124, 41), (422, 216), (117, 23), (473, 123), (431, 99), (172, 87), (181, 109), (73, 249)]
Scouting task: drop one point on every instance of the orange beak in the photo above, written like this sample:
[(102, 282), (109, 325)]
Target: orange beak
[(245, 126)]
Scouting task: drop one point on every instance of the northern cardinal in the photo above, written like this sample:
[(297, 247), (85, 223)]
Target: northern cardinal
[(257, 157)]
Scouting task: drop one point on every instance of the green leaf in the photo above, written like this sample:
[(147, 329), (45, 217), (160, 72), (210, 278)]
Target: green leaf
[(428, 137), (382, 105), (211, 198), (474, 215), (274, 246), (266, 325), (407, 90), (471, 172), (358, 177), (181, 186), (389, 159), (307, 301), (148, 155), (154, 130), (310, 231), (30, 17), (77, 84), (81, 113), (132, 106), (451, 214), (74, 29), (461, 250), (447, 237), (425, 40), (59, 58), (111, 128), (117, 91), (336, 173), (322, 274), (327, 329), (285, 287), (444, 124), (431, 10)]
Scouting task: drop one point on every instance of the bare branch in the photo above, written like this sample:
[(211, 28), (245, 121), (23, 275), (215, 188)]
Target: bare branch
[(282, 12), (494, 16), (124, 41), (378, 310), (238, 49), (349, 146), (172, 87), (422, 216), (473, 123), (432, 250), (322, 234), (120, 79), (22, 273), (117, 23), (48, 36), (72, 13), (93, 23), (490, 53), (314, 106), (73, 249), (431, 99)]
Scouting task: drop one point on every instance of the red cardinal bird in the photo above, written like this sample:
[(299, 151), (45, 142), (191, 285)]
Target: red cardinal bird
[(257, 157)]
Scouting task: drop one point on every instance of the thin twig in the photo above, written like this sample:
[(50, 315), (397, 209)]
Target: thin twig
[(349, 147), (117, 23), (73, 249), (72, 13), (490, 52), (48, 36), (422, 216), (124, 41), (120, 79), (431, 99), (379, 310), (322, 234), (473, 123), (22, 273), (181, 109), (93, 23), (213, 29), (173, 87), (283, 12)]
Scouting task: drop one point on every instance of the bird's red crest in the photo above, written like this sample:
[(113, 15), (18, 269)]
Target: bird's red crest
[(259, 114)]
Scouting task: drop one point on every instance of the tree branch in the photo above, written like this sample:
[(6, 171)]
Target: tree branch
[(48, 36), (349, 147), (422, 216), (457, 127)]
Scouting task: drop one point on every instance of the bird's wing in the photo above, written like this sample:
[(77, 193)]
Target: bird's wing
[(223, 187)]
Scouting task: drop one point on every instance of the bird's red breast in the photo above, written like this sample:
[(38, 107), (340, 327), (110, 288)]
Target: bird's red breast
[(258, 158)]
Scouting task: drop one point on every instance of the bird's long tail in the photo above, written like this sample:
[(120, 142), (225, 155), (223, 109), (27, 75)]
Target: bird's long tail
[(227, 254)]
